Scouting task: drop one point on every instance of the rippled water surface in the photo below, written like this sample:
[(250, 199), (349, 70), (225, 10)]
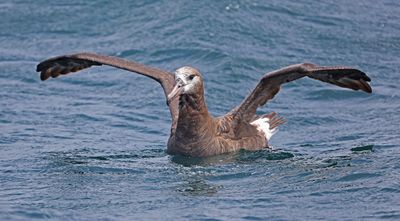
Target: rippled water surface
[(91, 146)]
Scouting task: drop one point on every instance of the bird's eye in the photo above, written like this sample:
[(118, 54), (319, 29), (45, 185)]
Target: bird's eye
[(191, 77)]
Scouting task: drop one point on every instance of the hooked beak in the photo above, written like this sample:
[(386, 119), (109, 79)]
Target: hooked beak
[(176, 91)]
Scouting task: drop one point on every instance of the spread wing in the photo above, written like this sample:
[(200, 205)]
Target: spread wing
[(270, 84), (66, 64)]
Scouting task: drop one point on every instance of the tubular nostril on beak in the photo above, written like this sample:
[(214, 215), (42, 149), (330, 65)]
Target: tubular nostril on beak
[(179, 83)]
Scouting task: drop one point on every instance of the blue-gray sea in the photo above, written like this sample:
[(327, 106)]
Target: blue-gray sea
[(91, 145)]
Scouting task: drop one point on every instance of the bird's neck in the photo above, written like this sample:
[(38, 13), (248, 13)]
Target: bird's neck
[(192, 103), (193, 114)]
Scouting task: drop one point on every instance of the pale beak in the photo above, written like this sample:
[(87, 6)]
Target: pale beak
[(176, 91)]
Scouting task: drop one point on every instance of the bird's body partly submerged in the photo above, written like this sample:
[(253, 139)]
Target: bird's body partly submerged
[(194, 132)]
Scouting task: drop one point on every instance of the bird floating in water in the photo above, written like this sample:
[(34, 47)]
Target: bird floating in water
[(194, 131)]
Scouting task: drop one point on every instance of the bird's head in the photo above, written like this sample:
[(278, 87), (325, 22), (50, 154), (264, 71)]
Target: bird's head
[(188, 81)]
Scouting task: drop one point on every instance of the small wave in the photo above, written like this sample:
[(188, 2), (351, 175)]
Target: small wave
[(362, 148), (85, 117), (129, 53), (357, 176)]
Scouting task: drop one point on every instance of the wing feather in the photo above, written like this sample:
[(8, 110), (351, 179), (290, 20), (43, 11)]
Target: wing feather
[(269, 85), (66, 64)]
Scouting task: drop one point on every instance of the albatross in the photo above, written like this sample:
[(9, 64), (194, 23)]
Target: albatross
[(194, 131)]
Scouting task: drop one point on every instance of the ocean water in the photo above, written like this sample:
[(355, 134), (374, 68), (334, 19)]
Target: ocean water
[(91, 146)]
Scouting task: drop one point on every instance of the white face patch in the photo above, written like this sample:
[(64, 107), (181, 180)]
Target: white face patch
[(189, 78)]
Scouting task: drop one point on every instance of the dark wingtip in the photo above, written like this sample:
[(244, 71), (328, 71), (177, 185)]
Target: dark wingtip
[(366, 86), (367, 78), (43, 76), (42, 69), (366, 89), (42, 65), (363, 78)]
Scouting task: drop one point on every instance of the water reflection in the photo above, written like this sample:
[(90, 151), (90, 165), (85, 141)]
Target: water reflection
[(243, 156), (202, 176)]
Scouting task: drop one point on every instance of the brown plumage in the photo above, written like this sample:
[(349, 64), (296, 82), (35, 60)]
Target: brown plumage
[(194, 132)]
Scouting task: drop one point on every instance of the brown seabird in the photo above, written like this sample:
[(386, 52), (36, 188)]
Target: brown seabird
[(194, 131)]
